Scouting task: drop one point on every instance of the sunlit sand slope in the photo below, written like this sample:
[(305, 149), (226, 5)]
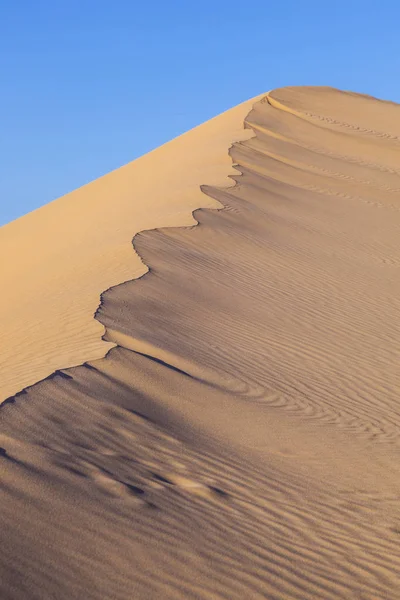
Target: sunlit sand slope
[(57, 260), (242, 438)]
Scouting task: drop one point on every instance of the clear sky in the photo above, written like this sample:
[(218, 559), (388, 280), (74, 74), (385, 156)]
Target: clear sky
[(89, 85)]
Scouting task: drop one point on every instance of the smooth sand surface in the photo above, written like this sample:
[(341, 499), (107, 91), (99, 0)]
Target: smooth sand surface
[(241, 438)]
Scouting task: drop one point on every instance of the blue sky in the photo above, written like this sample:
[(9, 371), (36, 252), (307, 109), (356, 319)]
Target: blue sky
[(89, 85)]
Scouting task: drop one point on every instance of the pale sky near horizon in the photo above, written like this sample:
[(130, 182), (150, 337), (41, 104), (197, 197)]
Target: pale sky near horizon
[(89, 85)]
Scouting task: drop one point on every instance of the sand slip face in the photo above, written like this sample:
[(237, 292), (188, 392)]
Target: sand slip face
[(57, 260), (242, 439)]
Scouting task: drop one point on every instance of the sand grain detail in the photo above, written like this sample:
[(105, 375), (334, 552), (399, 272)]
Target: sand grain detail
[(241, 438)]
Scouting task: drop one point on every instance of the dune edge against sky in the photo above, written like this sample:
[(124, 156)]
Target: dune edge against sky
[(63, 256)]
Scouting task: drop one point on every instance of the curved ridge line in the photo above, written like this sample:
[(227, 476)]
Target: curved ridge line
[(64, 372)]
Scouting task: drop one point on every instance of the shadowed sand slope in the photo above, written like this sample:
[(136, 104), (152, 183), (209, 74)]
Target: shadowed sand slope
[(241, 440)]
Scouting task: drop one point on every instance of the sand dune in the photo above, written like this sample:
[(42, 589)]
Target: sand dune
[(241, 437), (61, 257)]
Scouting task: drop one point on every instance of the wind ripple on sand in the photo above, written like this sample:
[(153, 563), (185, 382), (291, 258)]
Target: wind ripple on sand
[(242, 439)]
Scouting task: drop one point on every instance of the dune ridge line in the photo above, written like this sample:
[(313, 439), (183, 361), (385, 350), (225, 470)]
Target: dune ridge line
[(65, 254)]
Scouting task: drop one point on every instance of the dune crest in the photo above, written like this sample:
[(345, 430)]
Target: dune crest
[(61, 257), (241, 438)]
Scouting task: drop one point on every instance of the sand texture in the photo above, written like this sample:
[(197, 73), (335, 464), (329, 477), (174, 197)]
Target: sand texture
[(240, 440)]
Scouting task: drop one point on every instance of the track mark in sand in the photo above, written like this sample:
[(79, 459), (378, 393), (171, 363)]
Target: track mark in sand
[(191, 486), (115, 487)]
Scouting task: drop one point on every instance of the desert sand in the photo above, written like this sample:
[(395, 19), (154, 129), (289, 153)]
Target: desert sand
[(213, 412)]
